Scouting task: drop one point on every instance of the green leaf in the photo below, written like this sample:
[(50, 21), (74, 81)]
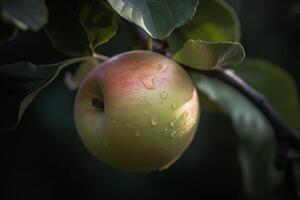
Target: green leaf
[(257, 146), (277, 85), (209, 55), (157, 17), (25, 14), (7, 32), (77, 28), (73, 81), (213, 21), (20, 83)]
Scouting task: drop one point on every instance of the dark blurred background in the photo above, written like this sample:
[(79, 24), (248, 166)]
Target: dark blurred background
[(45, 159)]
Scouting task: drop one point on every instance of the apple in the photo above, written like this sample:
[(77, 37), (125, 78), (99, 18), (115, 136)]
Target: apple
[(137, 111)]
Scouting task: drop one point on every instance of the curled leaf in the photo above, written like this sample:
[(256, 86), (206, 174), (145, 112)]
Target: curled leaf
[(202, 55)]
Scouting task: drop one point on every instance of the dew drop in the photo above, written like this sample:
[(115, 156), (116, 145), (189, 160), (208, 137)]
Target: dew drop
[(149, 100), (185, 123), (164, 95), (148, 82), (128, 125), (185, 115), (165, 69), (173, 134), (166, 129), (181, 133), (172, 124), (153, 121), (159, 67), (137, 133), (174, 105)]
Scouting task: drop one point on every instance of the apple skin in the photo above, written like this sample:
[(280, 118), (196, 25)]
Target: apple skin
[(149, 116)]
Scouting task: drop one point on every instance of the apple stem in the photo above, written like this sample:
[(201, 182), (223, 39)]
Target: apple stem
[(149, 43), (100, 57), (287, 138)]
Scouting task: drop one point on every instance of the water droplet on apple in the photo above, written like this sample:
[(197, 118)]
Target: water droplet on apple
[(149, 100), (137, 133), (159, 67), (174, 105), (148, 82), (185, 115), (172, 123), (153, 121), (185, 123), (165, 69), (181, 133), (164, 95), (128, 125), (173, 134)]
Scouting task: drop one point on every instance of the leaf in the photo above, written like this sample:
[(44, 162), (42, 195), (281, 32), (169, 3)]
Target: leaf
[(256, 140), (73, 81), (20, 83), (77, 28), (7, 32), (209, 55), (157, 17), (277, 85), (213, 21), (25, 14)]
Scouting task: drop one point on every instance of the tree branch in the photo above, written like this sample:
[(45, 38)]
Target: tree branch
[(282, 131), (287, 138)]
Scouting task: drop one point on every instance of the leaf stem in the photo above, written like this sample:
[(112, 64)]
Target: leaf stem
[(100, 57)]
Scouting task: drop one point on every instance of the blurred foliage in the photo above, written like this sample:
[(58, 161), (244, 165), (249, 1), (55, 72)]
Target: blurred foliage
[(77, 29), (7, 32), (276, 84), (256, 139), (25, 14)]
